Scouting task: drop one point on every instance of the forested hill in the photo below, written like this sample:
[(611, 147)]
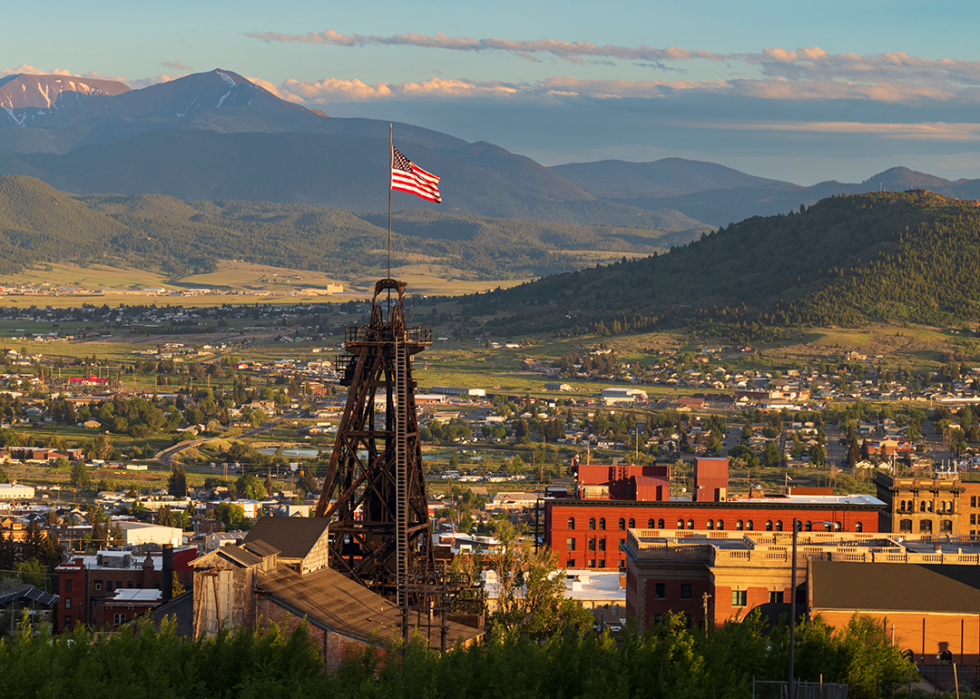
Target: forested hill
[(41, 224), (844, 261)]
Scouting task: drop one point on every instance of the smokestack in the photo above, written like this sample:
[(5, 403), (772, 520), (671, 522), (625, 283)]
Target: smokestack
[(167, 584)]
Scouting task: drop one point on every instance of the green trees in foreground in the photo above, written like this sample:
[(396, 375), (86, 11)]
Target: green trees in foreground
[(667, 661)]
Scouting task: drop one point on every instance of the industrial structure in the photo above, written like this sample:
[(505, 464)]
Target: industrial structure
[(374, 493)]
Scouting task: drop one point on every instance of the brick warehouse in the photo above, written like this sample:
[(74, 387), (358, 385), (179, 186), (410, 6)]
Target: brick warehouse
[(592, 533), (925, 590)]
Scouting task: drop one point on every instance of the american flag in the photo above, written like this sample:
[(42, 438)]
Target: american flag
[(406, 176)]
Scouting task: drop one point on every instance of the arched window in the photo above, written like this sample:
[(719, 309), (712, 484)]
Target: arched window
[(602, 523), (779, 525), (591, 522), (632, 523), (651, 524), (690, 524), (922, 506), (945, 526), (808, 526), (925, 526), (768, 525), (827, 526), (738, 525), (622, 524), (748, 525), (720, 524), (680, 524), (710, 525), (903, 526), (571, 522), (858, 527), (837, 526), (660, 524)]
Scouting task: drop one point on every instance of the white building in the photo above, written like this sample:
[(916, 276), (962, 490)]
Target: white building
[(15, 491), (137, 533)]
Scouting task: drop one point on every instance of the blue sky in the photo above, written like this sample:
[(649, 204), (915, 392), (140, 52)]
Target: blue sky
[(798, 91)]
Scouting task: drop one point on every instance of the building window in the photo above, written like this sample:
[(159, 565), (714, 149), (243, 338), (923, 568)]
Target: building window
[(680, 524), (904, 526), (690, 524), (651, 524), (660, 524), (685, 590), (748, 525), (632, 524), (922, 506), (591, 563), (775, 597), (740, 598), (808, 526), (738, 525), (925, 526), (660, 591), (591, 544), (570, 544), (622, 542), (571, 523), (945, 526), (108, 586), (98, 585), (827, 526), (118, 619), (602, 544), (129, 585), (973, 519), (720, 524), (602, 564), (622, 524), (68, 621), (67, 585), (602, 523), (710, 525), (570, 563), (973, 501), (779, 525), (591, 522), (768, 525), (67, 602), (858, 527)]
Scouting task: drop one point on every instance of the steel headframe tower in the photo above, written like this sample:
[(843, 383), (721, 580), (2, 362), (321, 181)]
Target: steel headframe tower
[(374, 492)]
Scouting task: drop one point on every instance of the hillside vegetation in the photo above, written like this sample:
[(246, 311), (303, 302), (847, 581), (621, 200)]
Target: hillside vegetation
[(910, 256), (40, 224)]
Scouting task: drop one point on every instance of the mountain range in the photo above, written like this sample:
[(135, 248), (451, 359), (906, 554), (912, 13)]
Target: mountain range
[(218, 135)]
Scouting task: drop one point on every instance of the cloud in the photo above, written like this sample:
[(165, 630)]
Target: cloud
[(176, 65), (928, 131), (572, 51)]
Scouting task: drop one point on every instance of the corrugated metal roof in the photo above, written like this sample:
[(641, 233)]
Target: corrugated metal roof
[(330, 600), (261, 548), (31, 594), (293, 536)]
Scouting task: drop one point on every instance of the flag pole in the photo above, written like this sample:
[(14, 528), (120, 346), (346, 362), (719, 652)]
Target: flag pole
[(391, 164)]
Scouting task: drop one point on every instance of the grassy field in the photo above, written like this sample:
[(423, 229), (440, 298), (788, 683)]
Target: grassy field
[(124, 285)]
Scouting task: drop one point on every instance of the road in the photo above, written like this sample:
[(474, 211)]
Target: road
[(166, 457)]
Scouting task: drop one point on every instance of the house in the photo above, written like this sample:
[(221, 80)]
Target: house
[(288, 581)]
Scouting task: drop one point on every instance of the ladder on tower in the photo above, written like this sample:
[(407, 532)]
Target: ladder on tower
[(401, 475)]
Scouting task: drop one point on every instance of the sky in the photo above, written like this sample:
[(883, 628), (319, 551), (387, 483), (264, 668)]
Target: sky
[(804, 92)]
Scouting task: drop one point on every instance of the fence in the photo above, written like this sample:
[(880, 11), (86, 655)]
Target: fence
[(804, 690)]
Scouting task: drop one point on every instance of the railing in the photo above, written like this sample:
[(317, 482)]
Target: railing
[(368, 333)]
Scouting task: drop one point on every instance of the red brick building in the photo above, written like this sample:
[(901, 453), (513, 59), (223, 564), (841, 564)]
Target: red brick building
[(591, 533), (87, 584)]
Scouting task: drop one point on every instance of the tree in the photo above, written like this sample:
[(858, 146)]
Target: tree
[(250, 488), (230, 515), (79, 475), (818, 455), (306, 481), (771, 456), (177, 483), (853, 453), (530, 587)]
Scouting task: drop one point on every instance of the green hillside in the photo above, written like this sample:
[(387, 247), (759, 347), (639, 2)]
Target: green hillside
[(846, 261), (41, 224)]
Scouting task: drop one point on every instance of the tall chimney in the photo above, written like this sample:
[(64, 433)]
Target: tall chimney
[(167, 584)]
